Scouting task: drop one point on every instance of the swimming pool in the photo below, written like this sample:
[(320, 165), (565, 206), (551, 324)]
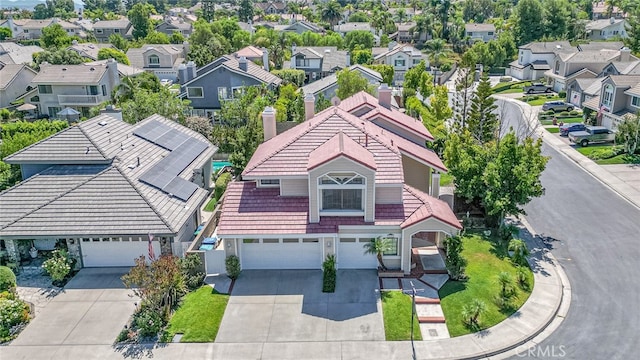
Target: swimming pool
[(217, 165)]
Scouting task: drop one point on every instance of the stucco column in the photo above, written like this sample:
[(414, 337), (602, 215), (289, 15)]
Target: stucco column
[(12, 250), (73, 247)]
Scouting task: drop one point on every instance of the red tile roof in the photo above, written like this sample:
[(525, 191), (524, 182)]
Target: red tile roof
[(341, 145), (248, 210)]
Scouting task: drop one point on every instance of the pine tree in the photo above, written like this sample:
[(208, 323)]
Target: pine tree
[(483, 121)]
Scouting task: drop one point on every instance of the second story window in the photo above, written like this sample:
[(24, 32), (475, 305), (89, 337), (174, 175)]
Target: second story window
[(222, 93), (557, 68), (302, 62), (635, 101), (398, 62), (607, 97), (154, 60), (342, 192), (93, 90), (195, 92), (44, 89)]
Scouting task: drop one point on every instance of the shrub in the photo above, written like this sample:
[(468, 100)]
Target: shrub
[(190, 267), (564, 113), (7, 279), (148, 322), (290, 76), (58, 266), (329, 274), (520, 251), (454, 262), (13, 313), (522, 278), (574, 112), (505, 280), (471, 312), (221, 184), (562, 94), (232, 264)]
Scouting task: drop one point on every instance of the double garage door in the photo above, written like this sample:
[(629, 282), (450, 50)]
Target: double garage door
[(113, 252)]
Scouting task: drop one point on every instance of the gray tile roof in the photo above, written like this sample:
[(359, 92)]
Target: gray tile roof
[(601, 45), (328, 81), (602, 24), (625, 81), (121, 23), (473, 27), (136, 55), (8, 72), (12, 53), (89, 50), (548, 47), (112, 201), (70, 74), (352, 26), (123, 70)]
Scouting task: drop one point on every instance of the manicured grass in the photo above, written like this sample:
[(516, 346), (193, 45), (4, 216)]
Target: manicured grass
[(446, 179), (586, 151), (540, 101), (569, 120), (199, 316), (211, 205), (553, 130), (592, 150), (485, 260), (396, 312), (510, 91)]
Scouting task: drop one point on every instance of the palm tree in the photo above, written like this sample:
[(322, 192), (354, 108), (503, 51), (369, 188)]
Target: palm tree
[(331, 12), (378, 247), (438, 51), (128, 86), (400, 15), (519, 251)]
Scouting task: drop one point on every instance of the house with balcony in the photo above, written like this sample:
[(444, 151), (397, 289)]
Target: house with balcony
[(224, 79), (14, 81), (169, 25), (401, 56), (619, 97), (104, 187), (606, 29), (583, 64), (480, 32), (32, 29), (80, 87), (318, 61), (349, 174), (404, 34), (104, 28), (161, 59)]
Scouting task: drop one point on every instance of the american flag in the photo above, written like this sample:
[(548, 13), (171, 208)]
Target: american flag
[(152, 256)]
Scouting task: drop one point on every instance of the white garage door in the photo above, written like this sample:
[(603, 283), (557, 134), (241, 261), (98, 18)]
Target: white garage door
[(281, 254), (351, 254), (115, 253)]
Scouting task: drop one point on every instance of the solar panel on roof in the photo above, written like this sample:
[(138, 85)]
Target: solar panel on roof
[(172, 139), (181, 188), (152, 130)]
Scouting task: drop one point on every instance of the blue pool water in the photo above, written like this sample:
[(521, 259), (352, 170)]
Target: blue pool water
[(217, 165)]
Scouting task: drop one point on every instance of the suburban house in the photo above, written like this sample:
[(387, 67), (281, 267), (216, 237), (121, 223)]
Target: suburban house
[(600, 11), (80, 87), (169, 25), (318, 62), (619, 97), (329, 85), (162, 60), (345, 28), (272, 7), (253, 53), (580, 90), (14, 81), (347, 175), (223, 79), (480, 32), (104, 28), (105, 187), (606, 29), (404, 33), (301, 26), (401, 56), (409, 12), (631, 67), (535, 58), (88, 50), (582, 64), (12, 53), (15, 25), (32, 29)]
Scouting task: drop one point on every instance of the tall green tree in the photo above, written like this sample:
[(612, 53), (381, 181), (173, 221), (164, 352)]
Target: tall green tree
[(139, 16), (351, 82), (438, 51), (556, 18), (529, 25), (117, 55), (359, 39), (483, 123), (628, 134), (386, 71), (331, 12), (54, 37), (246, 10), (57, 57), (632, 41), (5, 33), (119, 42), (145, 103)]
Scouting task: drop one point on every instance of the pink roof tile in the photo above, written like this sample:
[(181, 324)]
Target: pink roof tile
[(248, 210), (249, 52), (341, 145)]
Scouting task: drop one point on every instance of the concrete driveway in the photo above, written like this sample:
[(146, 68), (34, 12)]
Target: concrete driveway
[(289, 305), (92, 309)]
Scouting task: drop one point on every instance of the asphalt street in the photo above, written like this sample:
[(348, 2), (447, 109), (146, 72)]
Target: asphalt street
[(595, 235)]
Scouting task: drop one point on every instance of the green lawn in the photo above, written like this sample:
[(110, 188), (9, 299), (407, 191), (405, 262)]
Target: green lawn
[(510, 91), (484, 262), (199, 316), (396, 312), (446, 179), (211, 205), (592, 151), (553, 130), (543, 99), (568, 120)]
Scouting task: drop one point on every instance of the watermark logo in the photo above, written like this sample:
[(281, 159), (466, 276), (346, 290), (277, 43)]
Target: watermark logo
[(548, 351)]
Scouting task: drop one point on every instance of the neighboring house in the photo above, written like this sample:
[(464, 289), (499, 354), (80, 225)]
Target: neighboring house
[(580, 90), (14, 81), (15, 25), (246, 27), (535, 58), (251, 53), (12, 53), (329, 85), (223, 79), (80, 87), (408, 12), (317, 61), (123, 70), (32, 29), (103, 187), (404, 33), (104, 28), (480, 32), (344, 29), (345, 176), (631, 67), (601, 11), (162, 60), (88, 50), (272, 7), (169, 25), (619, 97), (300, 27), (401, 56), (582, 64), (606, 29)]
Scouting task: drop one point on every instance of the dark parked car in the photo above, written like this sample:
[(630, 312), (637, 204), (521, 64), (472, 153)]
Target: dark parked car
[(567, 128)]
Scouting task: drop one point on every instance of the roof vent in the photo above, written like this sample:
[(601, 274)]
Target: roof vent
[(131, 166), (102, 123), (92, 69), (87, 151), (64, 69)]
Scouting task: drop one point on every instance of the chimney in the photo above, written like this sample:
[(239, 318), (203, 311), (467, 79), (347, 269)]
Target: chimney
[(269, 122), (185, 48), (265, 59), (391, 45), (191, 70), (384, 96), (348, 59), (242, 63), (309, 106), (612, 20), (625, 54), (113, 74), (435, 184), (74, 42), (112, 111), (183, 77)]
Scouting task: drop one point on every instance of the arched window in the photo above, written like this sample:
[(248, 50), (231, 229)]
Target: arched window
[(607, 96), (557, 68)]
